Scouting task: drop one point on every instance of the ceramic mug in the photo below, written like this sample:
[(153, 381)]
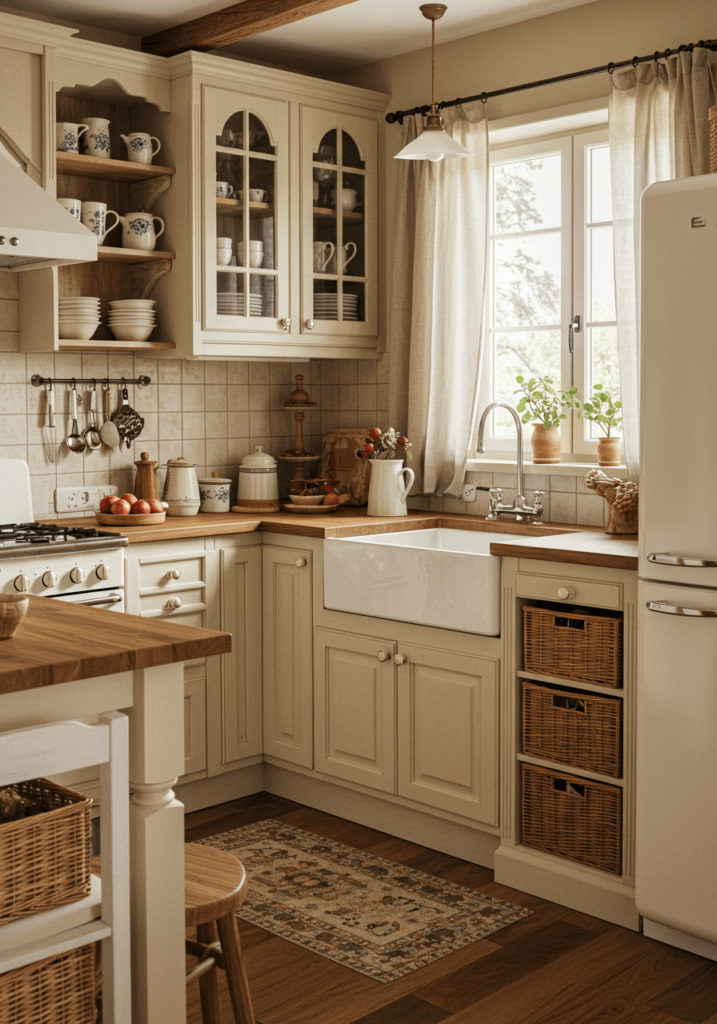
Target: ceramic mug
[(97, 140), (224, 190), (348, 198), (138, 231), (257, 195), (224, 252), (331, 267), (73, 206), (324, 252), (139, 147), (67, 136), (94, 217)]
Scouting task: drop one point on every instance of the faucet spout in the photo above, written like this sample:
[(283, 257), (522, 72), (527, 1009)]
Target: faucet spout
[(519, 496)]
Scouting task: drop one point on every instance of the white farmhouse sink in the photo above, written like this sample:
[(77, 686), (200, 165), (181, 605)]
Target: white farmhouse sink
[(443, 578)]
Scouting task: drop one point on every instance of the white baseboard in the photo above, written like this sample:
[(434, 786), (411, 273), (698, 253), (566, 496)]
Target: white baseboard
[(682, 940), (219, 789)]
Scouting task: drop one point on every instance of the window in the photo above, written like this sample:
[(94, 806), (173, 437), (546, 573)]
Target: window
[(550, 259)]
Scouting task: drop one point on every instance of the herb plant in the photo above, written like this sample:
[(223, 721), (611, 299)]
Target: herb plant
[(603, 410), (540, 402)]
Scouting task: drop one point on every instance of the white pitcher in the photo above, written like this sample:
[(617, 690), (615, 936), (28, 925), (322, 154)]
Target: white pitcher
[(387, 492), (139, 147), (138, 231)]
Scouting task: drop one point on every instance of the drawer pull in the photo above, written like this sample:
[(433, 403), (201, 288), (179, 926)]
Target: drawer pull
[(174, 602), (565, 592), (400, 659), (299, 563), (676, 609), (663, 558), (174, 574), (382, 656)]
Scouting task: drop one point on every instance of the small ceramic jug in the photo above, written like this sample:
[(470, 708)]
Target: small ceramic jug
[(67, 136), (139, 147), (97, 140), (324, 252), (138, 231), (387, 492), (94, 217), (181, 489)]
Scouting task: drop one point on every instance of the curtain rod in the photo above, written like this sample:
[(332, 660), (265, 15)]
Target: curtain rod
[(398, 115)]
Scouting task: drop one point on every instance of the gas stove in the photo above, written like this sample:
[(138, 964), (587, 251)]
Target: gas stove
[(18, 538)]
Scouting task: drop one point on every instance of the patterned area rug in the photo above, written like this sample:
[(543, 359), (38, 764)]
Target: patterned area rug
[(379, 918)]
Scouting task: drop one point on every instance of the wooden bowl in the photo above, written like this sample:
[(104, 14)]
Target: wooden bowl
[(146, 519)]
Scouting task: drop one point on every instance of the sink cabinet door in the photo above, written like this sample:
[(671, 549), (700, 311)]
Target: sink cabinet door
[(354, 709), (448, 731)]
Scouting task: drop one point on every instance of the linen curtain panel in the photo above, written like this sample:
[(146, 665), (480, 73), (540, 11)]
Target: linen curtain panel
[(659, 129), (436, 302)]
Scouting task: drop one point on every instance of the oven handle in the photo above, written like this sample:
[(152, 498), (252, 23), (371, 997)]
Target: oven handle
[(676, 609), (110, 599)]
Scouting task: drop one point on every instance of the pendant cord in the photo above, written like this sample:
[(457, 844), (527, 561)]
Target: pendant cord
[(433, 65)]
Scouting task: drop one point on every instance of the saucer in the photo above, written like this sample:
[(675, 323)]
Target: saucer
[(312, 509)]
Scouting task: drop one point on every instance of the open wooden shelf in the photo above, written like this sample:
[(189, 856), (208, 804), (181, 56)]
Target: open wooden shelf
[(234, 208), (110, 170), (112, 346), (320, 213), (569, 769), (112, 254), (606, 691)]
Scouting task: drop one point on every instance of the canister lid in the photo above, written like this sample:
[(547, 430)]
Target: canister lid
[(214, 479), (259, 459), (181, 461)]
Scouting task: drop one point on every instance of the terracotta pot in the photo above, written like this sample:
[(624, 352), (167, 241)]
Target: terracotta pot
[(546, 444), (609, 451)]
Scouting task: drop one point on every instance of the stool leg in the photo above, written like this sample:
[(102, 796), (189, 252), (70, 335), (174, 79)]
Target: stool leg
[(234, 968), (209, 982)]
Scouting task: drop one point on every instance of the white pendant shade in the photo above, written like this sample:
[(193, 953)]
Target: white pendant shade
[(434, 146)]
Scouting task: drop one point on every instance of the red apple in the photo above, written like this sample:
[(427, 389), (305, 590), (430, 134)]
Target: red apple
[(107, 502), (121, 507), (375, 434), (140, 508), (327, 489), (155, 505), (368, 450), (331, 499), (130, 498)]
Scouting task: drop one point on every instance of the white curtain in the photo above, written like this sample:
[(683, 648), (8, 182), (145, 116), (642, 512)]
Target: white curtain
[(436, 310), (659, 129)]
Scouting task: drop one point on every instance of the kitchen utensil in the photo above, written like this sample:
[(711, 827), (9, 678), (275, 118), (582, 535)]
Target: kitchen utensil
[(214, 493), (74, 440), (138, 231), (91, 434), (109, 433), (145, 482), (258, 482), (48, 433), (94, 217), (128, 422), (97, 140), (181, 488), (142, 519), (139, 147)]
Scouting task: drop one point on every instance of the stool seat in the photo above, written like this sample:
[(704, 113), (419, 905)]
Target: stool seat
[(214, 884)]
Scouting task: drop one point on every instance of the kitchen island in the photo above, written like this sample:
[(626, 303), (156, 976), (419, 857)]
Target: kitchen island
[(71, 662)]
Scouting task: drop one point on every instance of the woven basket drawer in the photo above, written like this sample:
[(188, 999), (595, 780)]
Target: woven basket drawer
[(58, 990), (583, 730), (572, 817), (573, 645)]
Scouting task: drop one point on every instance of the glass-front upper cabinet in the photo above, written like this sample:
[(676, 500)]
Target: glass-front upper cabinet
[(246, 227), (340, 236)]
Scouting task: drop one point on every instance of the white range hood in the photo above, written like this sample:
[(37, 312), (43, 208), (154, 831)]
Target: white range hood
[(35, 231)]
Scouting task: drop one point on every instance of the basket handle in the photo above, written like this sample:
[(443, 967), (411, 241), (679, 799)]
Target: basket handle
[(571, 788), (567, 623), (568, 703)]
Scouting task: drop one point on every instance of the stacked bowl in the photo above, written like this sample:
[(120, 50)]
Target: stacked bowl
[(78, 317), (256, 254), (132, 319)]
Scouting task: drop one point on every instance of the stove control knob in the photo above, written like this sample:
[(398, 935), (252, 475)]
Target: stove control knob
[(77, 575), (22, 582), (102, 572), (49, 579)]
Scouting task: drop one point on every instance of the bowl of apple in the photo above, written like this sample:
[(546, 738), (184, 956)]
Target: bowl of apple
[(128, 510)]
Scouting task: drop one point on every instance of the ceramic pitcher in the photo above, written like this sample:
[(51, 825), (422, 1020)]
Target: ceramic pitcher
[(139, 147), (138, 231), (97, 140), (387, 490)]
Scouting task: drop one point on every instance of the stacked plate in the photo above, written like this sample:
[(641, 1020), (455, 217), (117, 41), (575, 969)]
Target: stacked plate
[(132, 319), (233, 305), (326, 306), (78, 317)]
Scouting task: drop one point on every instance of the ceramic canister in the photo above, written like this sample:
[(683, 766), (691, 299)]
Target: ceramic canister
[(181, 489), (258, 481), (214, 493)]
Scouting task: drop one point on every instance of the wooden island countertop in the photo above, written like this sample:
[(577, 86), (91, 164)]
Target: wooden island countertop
[(60, 642)]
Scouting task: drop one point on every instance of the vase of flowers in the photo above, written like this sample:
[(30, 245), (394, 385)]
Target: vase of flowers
[(540, 403), (605, 411), (390, 482)]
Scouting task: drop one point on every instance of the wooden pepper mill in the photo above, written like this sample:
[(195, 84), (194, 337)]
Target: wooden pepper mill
[(145, 484)]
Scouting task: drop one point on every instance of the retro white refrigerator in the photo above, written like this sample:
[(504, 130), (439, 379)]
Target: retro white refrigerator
[(676, 875)]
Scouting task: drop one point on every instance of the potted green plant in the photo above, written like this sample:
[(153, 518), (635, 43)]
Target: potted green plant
[(605, 411), (542, 405)]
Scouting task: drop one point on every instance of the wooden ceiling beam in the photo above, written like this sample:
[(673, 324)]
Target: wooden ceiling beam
[(250, 18)]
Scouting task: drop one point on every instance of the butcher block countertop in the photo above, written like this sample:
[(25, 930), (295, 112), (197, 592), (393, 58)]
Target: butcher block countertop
[(555, 542), (60, 642)]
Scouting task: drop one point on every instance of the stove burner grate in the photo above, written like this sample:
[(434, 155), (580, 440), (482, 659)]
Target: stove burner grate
[(45, 533)]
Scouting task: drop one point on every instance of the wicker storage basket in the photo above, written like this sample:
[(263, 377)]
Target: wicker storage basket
[(45, 859), (583, 730), (573, 645), (58, 990), (572, 817), (713, 139)]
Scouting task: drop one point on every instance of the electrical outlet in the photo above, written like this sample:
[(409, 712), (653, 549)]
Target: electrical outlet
[(81, 499), (469, 492)]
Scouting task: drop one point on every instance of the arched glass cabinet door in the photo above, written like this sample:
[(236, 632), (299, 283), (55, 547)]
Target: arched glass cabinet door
[(246, 257), (340, 257)]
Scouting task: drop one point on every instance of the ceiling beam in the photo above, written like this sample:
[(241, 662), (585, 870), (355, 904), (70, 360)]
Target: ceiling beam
[(250, 18)]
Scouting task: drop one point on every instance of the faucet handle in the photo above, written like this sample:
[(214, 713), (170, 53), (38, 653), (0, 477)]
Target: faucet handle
[(537, 495), (496, 493)]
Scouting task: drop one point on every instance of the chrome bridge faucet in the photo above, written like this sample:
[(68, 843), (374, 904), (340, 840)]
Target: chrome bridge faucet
[(522, 511)]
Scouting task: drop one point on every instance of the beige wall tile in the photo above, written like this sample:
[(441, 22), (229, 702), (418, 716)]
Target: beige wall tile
[(215, 397), (9, 341), (8, 286), (169, 371), (563, 507), (192, 371), (170, 398), (8, 314), (193, 398), (193, 427)]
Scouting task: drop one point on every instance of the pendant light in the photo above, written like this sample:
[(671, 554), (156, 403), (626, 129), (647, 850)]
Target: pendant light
[(434, 143)]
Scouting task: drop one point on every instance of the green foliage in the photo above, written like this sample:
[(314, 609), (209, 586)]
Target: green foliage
[(540, 402), (603, 410)]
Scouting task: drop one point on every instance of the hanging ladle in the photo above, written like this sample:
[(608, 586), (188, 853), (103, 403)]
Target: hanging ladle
[(74, 440), (91, 434)]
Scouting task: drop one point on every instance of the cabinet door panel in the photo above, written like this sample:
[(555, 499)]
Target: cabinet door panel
[(354, 709), (287, 655), (195, 719), (448, 732)]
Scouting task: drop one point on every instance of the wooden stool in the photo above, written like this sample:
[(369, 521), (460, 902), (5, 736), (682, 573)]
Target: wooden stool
[(214, 886)]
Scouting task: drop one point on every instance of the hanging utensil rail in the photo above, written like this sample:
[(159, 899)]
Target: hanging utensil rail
[(37, 381)]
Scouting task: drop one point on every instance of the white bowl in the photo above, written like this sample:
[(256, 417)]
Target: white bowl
[(133, 304), (75, 329), (80, 317), (125, 332), (78, 298), (147, 318), (307, 499)]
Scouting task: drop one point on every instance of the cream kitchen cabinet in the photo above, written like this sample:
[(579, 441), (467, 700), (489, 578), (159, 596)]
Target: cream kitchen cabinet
[(420, 722)]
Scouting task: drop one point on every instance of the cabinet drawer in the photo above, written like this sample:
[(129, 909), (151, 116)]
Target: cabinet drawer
[(174, 601), (572, 591), (155, 573)]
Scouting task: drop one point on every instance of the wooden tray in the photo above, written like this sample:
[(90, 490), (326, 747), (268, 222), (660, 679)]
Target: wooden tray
[(146, 519)]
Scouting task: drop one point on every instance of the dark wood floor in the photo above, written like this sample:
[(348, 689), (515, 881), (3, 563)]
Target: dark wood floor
[(554, 967)]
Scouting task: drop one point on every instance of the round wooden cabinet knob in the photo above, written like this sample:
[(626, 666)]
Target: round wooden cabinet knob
[(382, 656), (299, 563), (565, 592), (399, 659), (174, 574), (174, 602)]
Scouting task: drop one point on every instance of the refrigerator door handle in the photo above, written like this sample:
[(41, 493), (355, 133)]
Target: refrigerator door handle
[(663, 558), (676, 609)]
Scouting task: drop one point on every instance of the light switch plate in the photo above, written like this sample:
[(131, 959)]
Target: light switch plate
[(469, 492)]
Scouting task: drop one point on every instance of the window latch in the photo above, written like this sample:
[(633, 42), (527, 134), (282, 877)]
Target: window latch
[(574, 328)]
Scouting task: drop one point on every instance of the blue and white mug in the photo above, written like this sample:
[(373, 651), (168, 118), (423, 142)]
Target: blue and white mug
[(97, 140), (73, 206), (67, 135), (94, 217)]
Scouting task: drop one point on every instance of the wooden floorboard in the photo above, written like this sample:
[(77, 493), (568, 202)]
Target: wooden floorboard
[(556, 966)]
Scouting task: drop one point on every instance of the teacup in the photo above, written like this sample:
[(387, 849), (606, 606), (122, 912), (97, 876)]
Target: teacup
[(257, 195), (97, 140), (348, 198), (73, 206), (94, 217), (139, 147), (323, 253), (138, 230), (224, 252), (225, 190), (67, 136)]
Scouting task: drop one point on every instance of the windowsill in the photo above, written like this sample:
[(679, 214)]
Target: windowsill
[(488, 465)]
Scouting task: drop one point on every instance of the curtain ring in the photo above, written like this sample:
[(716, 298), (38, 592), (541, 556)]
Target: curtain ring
[(610, 68), (667, 53), (656, 56), (635, 61), (484, 98)]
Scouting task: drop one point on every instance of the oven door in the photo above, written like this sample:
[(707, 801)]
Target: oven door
[(110, 600)]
